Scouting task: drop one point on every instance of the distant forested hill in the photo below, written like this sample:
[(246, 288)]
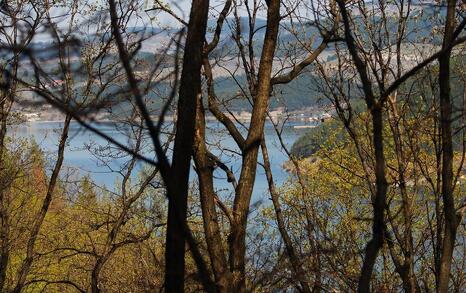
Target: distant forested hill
[(299, 94)]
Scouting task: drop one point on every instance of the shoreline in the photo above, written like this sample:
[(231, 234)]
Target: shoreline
[(307, 123)]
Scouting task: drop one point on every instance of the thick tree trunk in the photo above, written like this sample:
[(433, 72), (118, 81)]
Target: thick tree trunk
[(237, 241), (190, 88), (176, 176), (450, 216), (379, 198), (95, 275), (378, 223), (205, 167)]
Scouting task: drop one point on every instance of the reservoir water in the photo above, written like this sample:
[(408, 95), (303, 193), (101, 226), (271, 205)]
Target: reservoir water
[(80, 157)]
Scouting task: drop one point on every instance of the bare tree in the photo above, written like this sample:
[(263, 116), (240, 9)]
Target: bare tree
[(452, 216), (177, 230)]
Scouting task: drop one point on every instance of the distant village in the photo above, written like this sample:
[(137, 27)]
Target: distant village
[(32, 108)]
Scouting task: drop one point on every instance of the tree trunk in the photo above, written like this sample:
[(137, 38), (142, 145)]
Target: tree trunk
[(237, 241), (4, 219), (205, 168), (379, 198), (295, 261), (378, 223), (190, 88), (406, 268), (451, 219)]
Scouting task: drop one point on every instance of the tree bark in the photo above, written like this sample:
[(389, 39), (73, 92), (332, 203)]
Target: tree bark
[(379, 198), (4, 218), (450, 216), (237, 241), (378, 223), (190, 88), (205, 167), (176, 176)]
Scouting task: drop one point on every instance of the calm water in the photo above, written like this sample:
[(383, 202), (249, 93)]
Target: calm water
[(79, 160)]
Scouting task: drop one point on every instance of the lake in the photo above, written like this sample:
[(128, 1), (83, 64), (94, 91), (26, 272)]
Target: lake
[(80, 161)]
